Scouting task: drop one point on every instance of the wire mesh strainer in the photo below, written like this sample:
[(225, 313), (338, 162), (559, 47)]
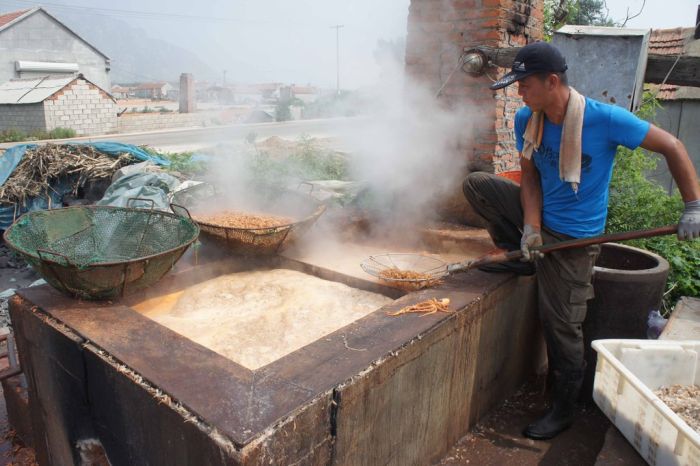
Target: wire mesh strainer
[(405, 270), (101, 252), (258, 241)]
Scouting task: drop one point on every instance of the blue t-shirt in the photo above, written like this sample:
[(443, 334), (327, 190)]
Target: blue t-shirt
[(605, 127)]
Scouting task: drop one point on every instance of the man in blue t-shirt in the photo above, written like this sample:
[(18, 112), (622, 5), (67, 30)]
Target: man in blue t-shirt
[(549, 207)]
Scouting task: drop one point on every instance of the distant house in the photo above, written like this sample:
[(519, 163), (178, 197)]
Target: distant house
[(680, 110), (43, 104), (246, 94), (219, 94), (121, 92), (173, 94), (34, 43), (257, 93), (269, 90), (157, 90), (306, 94)]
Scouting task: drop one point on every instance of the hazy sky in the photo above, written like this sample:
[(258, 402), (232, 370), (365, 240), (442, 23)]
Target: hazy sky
[(292, 40), (262, 40), (657, 14)]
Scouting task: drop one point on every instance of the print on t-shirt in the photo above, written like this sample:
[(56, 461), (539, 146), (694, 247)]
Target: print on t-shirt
[(551, 158)]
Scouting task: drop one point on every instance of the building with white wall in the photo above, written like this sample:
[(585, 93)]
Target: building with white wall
[(33, 43)]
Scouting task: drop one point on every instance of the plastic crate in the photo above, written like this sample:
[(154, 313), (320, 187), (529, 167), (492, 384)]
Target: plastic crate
[(627, 373)]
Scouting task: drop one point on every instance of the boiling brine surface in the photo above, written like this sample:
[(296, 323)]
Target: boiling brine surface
[(255, 318)]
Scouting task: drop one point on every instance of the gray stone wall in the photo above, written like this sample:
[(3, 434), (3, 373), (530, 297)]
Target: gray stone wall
[(83, 107), (22, 117), (40, 38), (680, 118)]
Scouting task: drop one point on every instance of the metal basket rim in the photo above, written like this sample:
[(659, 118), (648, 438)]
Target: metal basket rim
[(440, 264), (269, 230), (36, 256)]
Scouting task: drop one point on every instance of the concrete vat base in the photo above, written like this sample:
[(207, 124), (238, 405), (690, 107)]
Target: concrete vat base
[(382, 390)]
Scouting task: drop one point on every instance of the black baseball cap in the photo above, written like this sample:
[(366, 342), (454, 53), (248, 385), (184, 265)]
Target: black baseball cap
[(534, 58)]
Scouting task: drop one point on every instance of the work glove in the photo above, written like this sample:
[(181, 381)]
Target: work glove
[(689, 225), (531, 238)]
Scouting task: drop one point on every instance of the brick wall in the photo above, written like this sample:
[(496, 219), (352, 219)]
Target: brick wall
[(25, 117), (438, 32), (83, 107)]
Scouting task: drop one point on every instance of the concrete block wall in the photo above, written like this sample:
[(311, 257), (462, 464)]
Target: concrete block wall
[(438, 32), (139, 122), (83, 107), (40, 38), (25, 117)]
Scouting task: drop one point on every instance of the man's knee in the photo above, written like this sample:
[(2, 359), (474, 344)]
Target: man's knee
[(473, 184)]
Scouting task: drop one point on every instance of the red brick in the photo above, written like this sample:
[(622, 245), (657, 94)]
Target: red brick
[(437, 26), (490, 23), (463, 4), (492, 34)]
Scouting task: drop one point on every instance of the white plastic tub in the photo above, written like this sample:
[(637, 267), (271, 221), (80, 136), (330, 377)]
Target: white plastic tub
[(627, 373)]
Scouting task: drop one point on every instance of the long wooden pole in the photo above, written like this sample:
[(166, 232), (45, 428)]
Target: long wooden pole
[(504, 256)]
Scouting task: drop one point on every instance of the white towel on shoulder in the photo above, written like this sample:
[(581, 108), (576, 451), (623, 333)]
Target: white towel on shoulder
[(570, 146)]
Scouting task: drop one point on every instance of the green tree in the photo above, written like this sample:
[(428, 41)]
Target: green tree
[(557, 13)]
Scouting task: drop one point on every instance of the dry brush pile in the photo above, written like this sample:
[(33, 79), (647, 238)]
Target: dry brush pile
[(42, 166)]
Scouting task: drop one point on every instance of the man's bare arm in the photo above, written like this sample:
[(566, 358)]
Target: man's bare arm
[(683, 173), (531, 201), (673, 150), (530, 193)]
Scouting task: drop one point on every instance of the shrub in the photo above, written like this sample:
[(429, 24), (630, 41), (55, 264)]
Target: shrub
[(61, 133), (12, 135)]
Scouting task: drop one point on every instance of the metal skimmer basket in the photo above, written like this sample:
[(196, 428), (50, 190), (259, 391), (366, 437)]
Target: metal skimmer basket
[(430, 269), (261, 241), (101, 252)]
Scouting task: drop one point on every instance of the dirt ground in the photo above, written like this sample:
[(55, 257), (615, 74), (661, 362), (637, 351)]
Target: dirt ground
[(497, 440)]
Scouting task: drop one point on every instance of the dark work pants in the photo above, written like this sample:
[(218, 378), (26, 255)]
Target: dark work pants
[(563, 277)]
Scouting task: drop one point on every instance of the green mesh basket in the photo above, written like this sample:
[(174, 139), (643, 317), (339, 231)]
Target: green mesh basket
[(101, 252)]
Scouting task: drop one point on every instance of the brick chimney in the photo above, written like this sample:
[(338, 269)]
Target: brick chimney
[(187, 93), (438, 32)]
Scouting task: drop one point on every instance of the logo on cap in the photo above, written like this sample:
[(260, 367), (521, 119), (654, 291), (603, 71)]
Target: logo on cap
[(519, 66)]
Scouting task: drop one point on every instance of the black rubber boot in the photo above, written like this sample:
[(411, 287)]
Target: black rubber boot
[(561, 415)]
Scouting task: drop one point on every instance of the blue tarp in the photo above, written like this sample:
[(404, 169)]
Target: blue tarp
[(13, 156)]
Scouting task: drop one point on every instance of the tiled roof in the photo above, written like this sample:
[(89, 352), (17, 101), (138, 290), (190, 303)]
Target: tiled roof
[(672, 42), (9, 17), (669, 41)]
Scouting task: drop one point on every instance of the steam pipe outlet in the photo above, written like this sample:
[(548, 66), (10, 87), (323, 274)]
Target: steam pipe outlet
[(474, 62)]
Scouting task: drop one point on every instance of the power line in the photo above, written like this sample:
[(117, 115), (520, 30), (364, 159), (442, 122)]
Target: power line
[(140, 14)]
